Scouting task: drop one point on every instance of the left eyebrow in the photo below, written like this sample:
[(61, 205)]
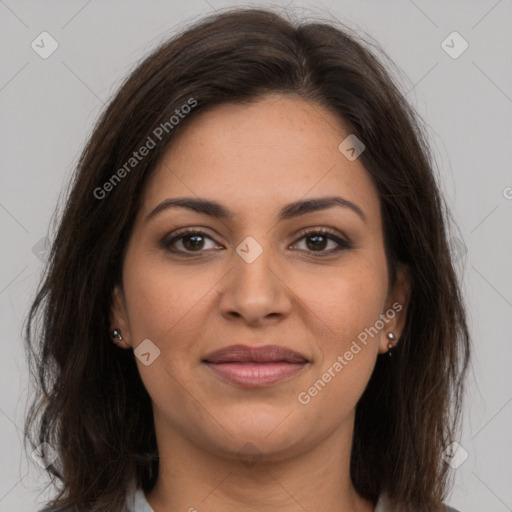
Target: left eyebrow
[(295, 209)]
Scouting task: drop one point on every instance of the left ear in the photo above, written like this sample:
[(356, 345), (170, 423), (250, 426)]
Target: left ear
[(395, 310)]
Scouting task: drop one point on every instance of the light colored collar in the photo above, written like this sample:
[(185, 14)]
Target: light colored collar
[(136, 502)]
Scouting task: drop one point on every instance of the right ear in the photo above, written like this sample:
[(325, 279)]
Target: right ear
[(119, 318)]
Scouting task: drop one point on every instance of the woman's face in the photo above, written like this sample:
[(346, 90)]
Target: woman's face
[(254, 278)]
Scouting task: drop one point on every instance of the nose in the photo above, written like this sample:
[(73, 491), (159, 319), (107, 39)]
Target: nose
[(255, 291)]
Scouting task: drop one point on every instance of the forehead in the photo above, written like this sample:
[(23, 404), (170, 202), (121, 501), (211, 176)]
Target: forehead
[(271, 152)]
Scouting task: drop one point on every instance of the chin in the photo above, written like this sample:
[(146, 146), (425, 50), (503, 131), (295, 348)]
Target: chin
[(265, 437)]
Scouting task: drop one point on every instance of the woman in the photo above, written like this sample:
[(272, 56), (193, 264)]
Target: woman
[(251, 302)]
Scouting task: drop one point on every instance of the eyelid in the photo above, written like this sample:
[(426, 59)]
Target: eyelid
[(321, 229)]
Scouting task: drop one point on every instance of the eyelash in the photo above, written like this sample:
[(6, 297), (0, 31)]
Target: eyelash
[(325, 232)]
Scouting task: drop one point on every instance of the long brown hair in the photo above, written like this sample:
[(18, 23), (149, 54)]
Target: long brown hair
[(90, 404)]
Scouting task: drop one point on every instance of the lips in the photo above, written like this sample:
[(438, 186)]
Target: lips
[(254, 367), (245, 354)]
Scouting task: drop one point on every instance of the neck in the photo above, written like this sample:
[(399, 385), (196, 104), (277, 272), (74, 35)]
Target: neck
[(312, 478)]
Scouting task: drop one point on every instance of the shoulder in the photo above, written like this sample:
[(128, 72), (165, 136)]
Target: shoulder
[(50, 508), (384, 505)]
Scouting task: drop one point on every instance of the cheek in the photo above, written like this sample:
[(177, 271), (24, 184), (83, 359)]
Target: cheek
[(350, 300), (162, 297), (164, 306), (346, 352), (350, 308)]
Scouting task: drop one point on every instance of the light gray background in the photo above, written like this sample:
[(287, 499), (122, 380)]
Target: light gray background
[(49, 107)]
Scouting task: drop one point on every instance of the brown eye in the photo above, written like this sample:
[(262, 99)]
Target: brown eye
[(317, 241), (191, 241)]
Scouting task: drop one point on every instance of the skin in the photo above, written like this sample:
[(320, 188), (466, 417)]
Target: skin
[(254, 159)]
